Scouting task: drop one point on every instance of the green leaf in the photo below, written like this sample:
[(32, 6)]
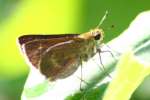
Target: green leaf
[(130, 73), (131, 69)]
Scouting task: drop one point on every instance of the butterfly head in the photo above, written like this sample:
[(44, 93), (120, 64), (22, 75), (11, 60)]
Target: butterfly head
[(97, 34)]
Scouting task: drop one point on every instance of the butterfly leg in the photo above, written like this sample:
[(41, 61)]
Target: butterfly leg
[(117, 53), (109, 52), (100, 58), (81, 75), (81, 78)]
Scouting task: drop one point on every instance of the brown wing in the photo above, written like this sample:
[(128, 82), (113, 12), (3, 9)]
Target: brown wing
[(34, 46), (27, 38), (62, 59)]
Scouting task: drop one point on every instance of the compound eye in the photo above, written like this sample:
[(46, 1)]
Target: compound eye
[(97, 37)]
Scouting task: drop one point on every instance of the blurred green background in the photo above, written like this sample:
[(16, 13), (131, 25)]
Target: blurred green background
[(19, 17)]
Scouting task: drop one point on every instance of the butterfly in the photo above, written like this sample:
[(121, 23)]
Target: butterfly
[(59, 56)]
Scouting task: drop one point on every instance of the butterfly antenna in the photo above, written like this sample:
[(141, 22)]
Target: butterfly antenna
[(103, 19)]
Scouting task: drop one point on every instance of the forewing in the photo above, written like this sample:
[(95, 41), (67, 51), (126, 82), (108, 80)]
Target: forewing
[(33, 47), (27, 38)]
